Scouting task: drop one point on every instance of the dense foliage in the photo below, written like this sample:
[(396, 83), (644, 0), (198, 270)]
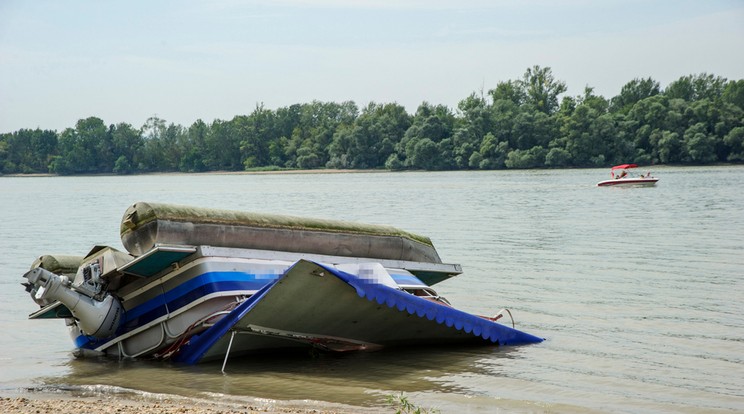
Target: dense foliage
[(697, 119)]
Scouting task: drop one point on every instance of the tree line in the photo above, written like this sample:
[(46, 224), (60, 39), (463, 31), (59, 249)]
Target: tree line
[(523, 123)]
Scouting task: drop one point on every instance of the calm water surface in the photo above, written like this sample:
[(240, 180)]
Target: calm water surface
[(639, 291)]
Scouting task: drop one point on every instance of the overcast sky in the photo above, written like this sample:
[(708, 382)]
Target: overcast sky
[(61, 61)]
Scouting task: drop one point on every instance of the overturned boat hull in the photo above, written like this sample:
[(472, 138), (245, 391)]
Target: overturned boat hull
[(168, 299)]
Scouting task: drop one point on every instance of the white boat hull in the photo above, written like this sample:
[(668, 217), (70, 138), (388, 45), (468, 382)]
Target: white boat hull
[(641, 182)]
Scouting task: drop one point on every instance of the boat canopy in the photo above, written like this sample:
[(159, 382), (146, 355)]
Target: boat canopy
[(624, 166)]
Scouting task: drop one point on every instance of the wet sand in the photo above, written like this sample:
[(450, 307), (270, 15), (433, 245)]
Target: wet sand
[(69, 404)]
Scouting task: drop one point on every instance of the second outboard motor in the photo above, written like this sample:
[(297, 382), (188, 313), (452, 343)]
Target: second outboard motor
[(97, 318)]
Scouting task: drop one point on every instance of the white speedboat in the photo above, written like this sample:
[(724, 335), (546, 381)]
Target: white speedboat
[(201, 284), (623, 175)]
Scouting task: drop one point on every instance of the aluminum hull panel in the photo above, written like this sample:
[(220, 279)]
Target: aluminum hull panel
[(323, 307)]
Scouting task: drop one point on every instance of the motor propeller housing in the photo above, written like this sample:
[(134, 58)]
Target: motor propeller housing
[(97, 318)]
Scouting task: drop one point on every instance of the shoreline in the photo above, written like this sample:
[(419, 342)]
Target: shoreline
[(342, 171), (76, 402), (266, 172)]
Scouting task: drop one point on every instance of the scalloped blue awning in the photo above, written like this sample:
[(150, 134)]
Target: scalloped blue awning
[(398, 300), (441, 314)]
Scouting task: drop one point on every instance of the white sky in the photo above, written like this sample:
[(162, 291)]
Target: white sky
[(61, 61)]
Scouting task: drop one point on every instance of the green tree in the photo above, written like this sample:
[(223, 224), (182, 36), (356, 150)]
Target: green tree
[(446, 149), (512, 91), (127, 144), (585, 137), (6, 166), (735, 140), (557, 158), (542, 89), (699, 145), (431, 125), (475, 115), (634, 91), (491, 155), (531, 158), (504, 114), (122, 165), (163, 146), (256, 133), (731, 117), (532, 129), (734, 93), (307, 159), (519, 124), (371, 139), (194, 146), (394, 163), (85, 149), (465, 144), (646, 116), (222, 146), (697, 87), (670, 148), (621, 148), (425, 155), (315, 129), (152, 158), (27, 151)]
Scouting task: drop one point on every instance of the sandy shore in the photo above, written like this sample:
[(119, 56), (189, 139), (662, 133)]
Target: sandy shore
[(41, 404)]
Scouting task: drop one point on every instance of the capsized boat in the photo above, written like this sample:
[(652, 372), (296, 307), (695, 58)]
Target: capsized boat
[(198, 284), (622, 175)]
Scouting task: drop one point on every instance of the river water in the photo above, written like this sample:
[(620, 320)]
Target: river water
[(639, 292)]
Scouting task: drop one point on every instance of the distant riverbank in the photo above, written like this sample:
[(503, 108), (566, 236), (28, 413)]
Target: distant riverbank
[(307, 171), (249, 172)]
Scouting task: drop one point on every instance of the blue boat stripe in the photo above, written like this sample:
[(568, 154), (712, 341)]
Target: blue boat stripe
[(199, 344), (179, 297), (257, 280), (245, 281)]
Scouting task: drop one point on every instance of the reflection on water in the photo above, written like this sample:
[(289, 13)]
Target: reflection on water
[(365, 378)]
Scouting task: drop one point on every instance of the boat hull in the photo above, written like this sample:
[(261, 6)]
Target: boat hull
[(640, 182), (202, 284)]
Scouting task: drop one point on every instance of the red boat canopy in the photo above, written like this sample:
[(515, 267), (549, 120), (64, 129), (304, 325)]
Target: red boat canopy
[(624, 166)]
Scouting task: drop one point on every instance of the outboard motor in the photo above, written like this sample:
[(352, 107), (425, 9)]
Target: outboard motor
[(97, 318)]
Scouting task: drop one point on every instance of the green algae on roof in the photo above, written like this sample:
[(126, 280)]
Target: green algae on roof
[(142, 213)]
